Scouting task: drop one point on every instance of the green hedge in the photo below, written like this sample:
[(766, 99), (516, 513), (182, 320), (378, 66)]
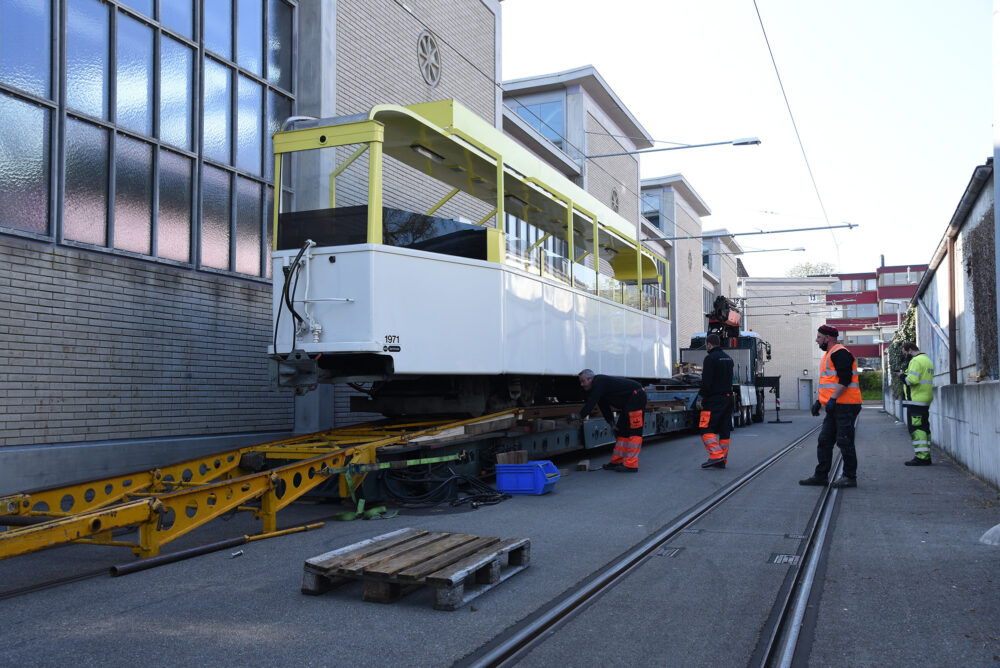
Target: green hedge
[(870, 380)]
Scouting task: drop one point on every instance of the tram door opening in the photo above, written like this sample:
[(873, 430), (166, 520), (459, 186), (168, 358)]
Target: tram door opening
[(805, 393)]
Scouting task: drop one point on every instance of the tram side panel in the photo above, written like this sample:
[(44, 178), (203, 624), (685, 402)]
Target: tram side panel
[(423, 313)]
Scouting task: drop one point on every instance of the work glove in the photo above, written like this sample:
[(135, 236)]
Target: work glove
[(831, 405), (815, 408)]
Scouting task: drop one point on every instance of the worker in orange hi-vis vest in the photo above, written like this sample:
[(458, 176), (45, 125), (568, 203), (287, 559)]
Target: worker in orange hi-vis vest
[(630, 399), (716, 417), (840, 395)]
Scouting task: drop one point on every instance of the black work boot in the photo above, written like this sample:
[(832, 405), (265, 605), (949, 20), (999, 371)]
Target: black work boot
[(611, 466), (917, 461), (714, 464), (814, 481), (621, 468), (843, 481)]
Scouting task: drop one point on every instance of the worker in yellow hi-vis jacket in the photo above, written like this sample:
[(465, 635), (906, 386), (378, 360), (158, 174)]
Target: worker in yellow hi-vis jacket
[(918, 382)]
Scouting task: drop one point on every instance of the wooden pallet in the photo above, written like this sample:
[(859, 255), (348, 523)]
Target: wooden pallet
[(458, 566)]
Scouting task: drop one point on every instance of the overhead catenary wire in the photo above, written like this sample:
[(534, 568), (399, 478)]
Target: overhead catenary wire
[(498, 84), (795, 127)]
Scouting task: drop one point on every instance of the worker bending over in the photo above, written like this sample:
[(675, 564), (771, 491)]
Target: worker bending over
[(716, 418), (630, 399)]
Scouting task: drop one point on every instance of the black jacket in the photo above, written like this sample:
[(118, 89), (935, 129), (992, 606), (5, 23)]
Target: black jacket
[(607, 391), (716, 374)]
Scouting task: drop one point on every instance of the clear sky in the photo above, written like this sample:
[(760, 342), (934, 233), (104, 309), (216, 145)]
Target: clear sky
[(892, 99)]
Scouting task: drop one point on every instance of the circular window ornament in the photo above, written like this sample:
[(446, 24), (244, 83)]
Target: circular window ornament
[(429, 58), (614, 200)]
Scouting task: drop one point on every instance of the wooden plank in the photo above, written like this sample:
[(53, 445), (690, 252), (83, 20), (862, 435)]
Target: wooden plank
[(440, 436), (362, 549), (418, 556), (419, 571), (355, 569), (457, 572), (495, 424)]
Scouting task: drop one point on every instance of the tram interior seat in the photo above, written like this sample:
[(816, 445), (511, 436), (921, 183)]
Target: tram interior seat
[(343, 226)]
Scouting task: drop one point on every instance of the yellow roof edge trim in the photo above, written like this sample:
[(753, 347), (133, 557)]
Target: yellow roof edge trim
[(454, 118)]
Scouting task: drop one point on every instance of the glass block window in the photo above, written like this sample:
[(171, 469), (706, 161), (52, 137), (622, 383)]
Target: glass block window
[(168, 111)]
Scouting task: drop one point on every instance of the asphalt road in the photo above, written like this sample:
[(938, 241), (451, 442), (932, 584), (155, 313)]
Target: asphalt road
[(904, 580)]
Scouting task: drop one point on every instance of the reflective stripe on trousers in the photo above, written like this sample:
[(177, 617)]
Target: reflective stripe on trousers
[(715, 448), (627, 451)]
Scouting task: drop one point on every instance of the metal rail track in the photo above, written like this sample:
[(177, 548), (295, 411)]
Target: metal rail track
[(509, 648)]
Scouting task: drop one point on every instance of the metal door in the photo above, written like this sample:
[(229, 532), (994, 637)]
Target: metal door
[(805, 393)]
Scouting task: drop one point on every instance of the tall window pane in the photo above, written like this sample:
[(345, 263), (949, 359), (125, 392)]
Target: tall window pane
[(85, 214), (25, 45), (216, 189), (24, 165), (251, 35), (279, 108), (135, 75), (219, 27), (87, 26), (250, 119), (218, 111), (176, 92), (177, 15), (133, 195), (279, 44), (173, 223), (248, 224)]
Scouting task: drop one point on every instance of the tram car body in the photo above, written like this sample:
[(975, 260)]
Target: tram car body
[(428, 313)]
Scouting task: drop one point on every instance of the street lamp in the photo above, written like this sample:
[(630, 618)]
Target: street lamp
[(747, 141)]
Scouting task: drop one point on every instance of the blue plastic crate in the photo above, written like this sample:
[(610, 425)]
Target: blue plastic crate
[(531, 478)]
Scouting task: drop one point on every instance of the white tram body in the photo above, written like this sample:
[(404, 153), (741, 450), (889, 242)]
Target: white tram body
[(422, 305), (434, 314)]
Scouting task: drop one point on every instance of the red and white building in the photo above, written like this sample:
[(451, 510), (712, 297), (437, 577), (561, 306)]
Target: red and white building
[(868, 308)]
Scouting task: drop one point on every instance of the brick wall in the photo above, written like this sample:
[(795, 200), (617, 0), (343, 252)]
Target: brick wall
[(620, 173), (95, 346), (377, 64)]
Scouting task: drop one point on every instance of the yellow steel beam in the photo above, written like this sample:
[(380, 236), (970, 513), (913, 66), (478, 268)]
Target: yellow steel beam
[(165, 516), (83, 497), (322, 137), (24, 540)]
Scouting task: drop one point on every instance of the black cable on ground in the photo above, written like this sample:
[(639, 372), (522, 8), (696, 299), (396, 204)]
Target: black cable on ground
[(435, 485)]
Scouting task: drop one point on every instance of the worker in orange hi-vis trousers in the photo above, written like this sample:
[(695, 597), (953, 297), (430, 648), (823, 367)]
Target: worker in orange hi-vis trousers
[(630, 399), (716, 392)]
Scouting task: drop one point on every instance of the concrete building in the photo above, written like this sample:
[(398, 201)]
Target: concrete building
[(956, 307), (786, 313), (135, 310)]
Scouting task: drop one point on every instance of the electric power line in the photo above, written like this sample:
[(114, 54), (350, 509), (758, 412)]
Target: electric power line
[(795, 127)]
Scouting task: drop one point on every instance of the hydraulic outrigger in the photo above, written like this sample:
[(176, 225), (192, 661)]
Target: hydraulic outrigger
[(168, 502)]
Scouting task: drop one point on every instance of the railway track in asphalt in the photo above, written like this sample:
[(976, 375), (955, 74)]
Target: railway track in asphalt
[(779, 638)]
